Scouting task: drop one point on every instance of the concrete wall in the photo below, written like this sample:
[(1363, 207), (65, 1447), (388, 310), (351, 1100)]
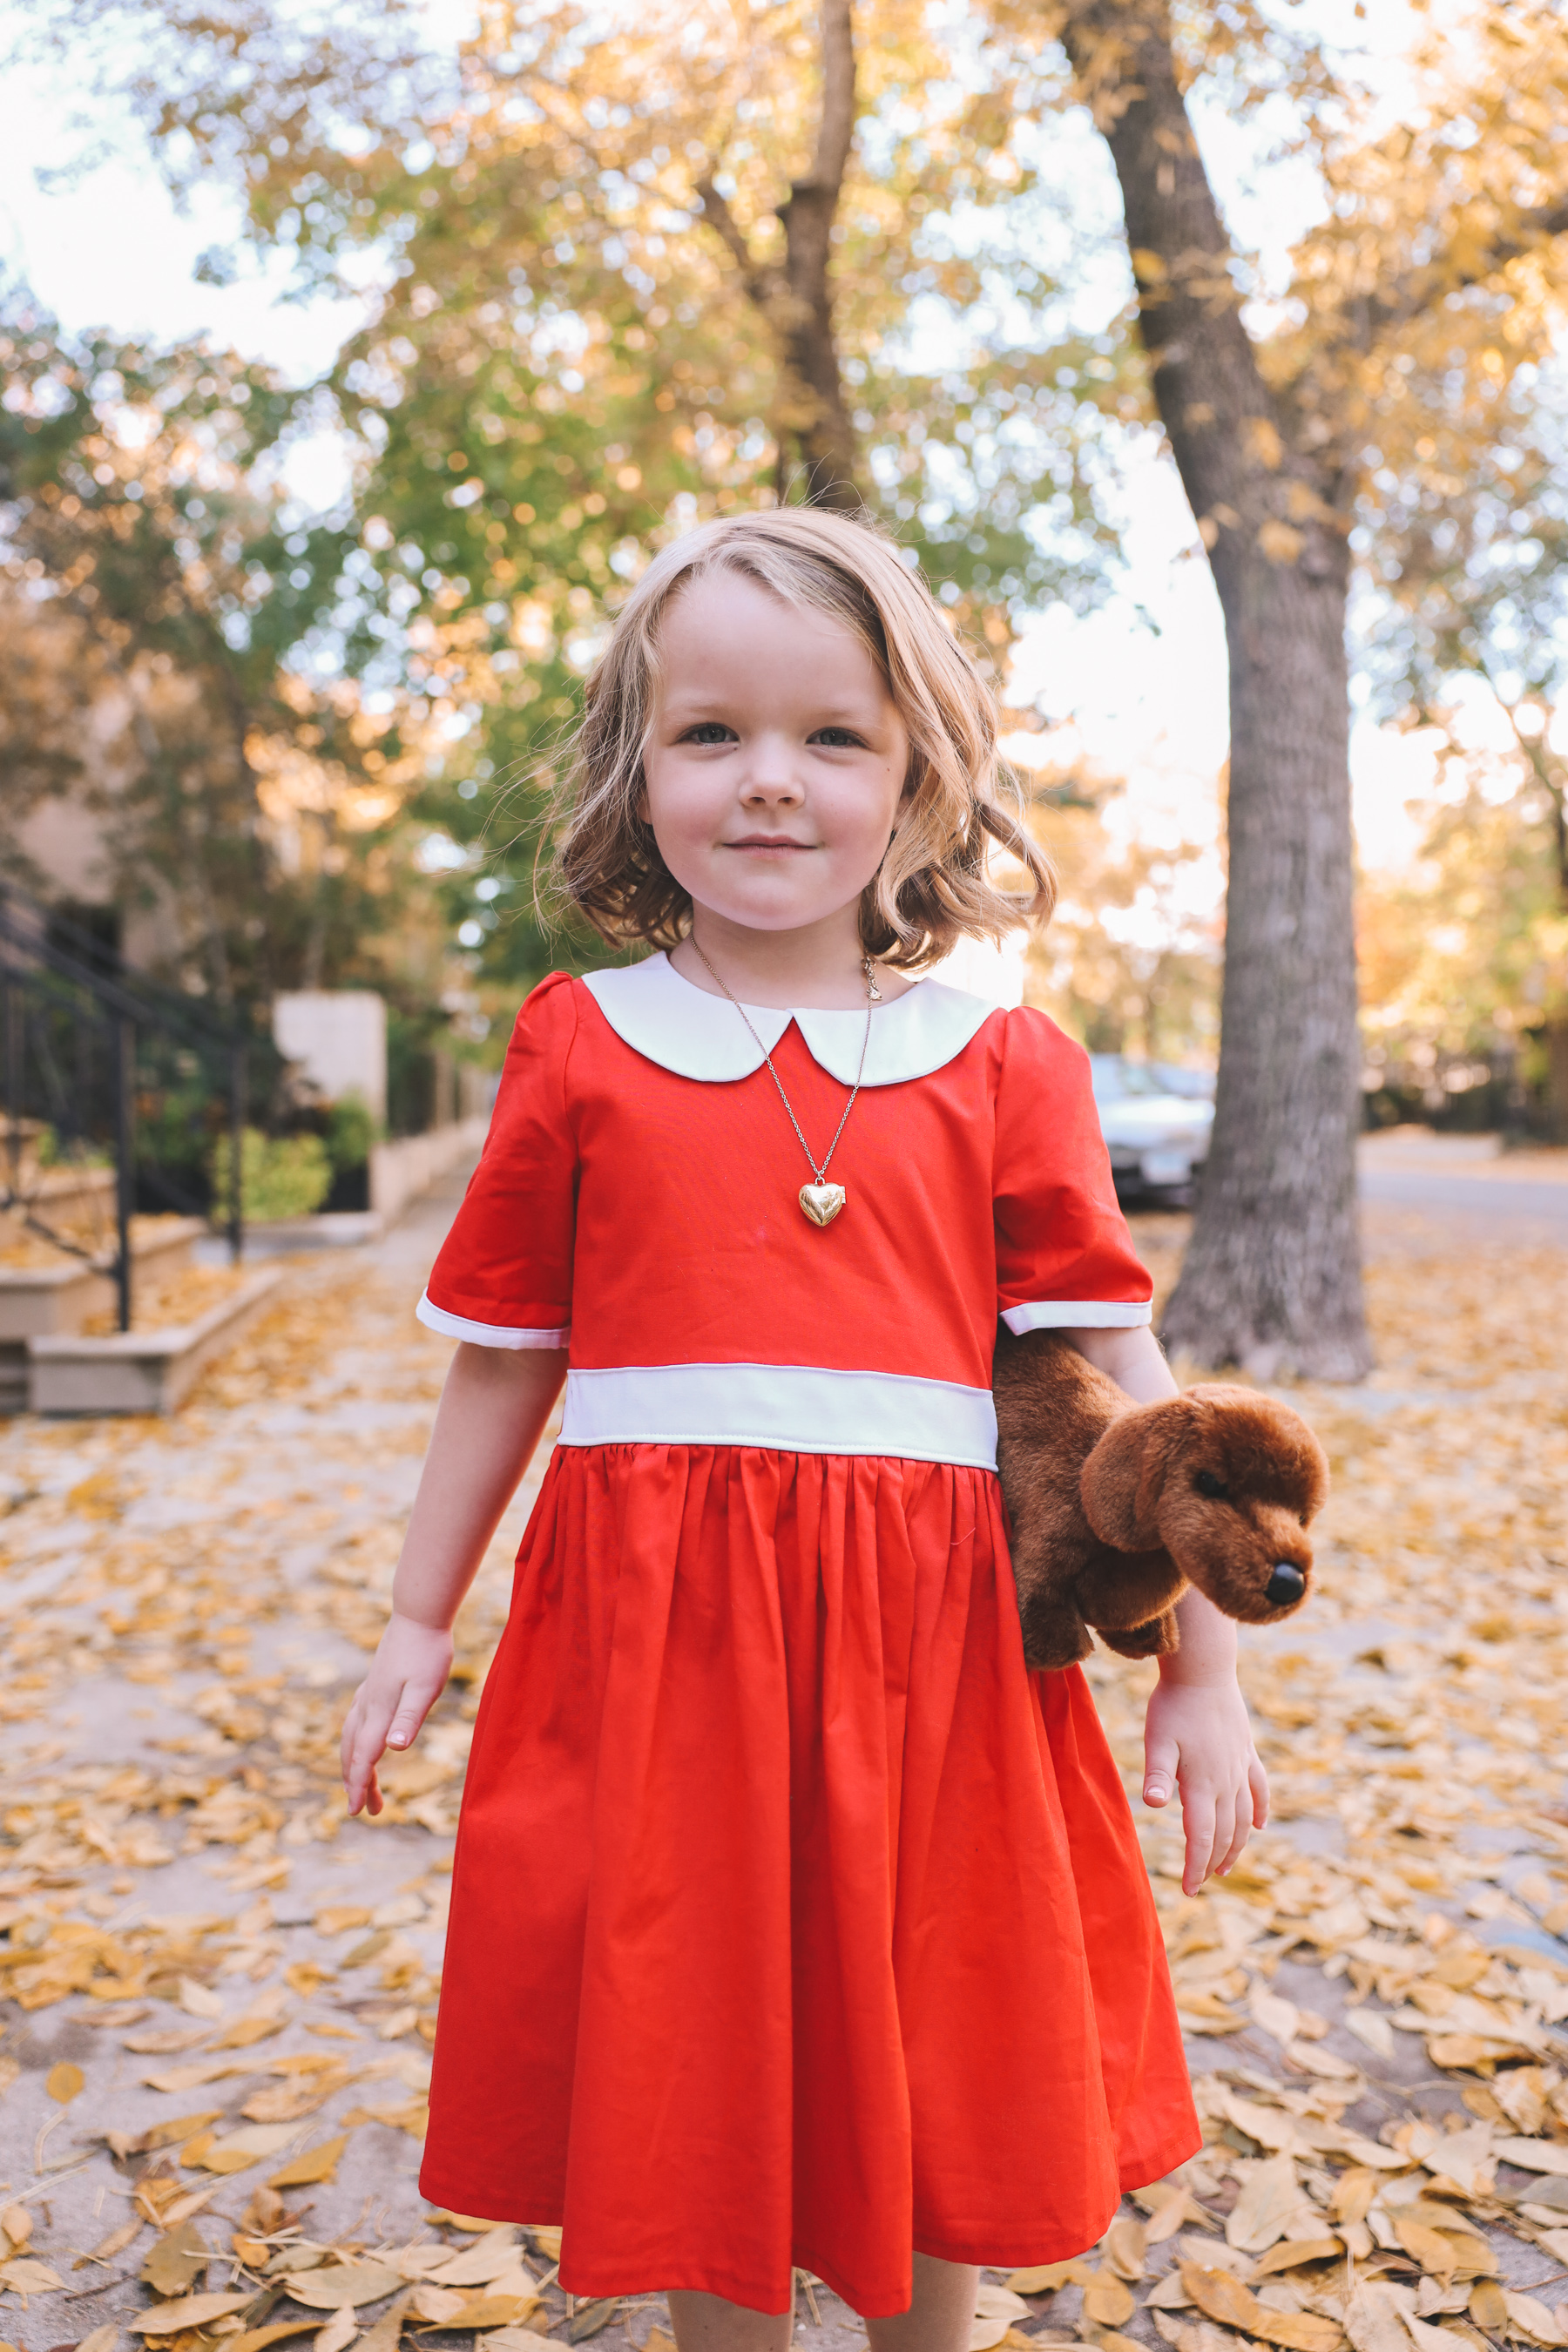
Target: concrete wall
[(337, 1038), (400, 1171)]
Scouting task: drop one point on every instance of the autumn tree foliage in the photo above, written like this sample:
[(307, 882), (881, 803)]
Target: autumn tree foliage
[(641, 266), (1468, 955), (155, 675), (1435, 274), (636, 271)]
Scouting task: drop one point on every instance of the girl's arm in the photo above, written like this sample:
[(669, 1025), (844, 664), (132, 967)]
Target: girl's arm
[(1196, 1736), (492, 1414)]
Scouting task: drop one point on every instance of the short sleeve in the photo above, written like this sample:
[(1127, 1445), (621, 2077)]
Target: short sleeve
[(503, 1278), (1064, 1257)]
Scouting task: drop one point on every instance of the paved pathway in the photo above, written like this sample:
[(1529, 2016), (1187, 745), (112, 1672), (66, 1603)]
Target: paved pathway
[(185, 1608), (1428, 1186)]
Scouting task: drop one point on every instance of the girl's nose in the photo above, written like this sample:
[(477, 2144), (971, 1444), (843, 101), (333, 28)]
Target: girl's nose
[(770, 779)]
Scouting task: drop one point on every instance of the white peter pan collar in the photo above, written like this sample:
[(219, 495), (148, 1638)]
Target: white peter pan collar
[(680, 1026)]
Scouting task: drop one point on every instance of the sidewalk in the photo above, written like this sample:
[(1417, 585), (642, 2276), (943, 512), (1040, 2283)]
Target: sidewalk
[(245, 1983), (1416, 1185)]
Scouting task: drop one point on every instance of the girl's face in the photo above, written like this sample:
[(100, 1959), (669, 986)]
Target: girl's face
[(777, 759)]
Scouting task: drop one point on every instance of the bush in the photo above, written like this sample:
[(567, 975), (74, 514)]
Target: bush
[(50, 1152), (281, 1176), (350, 1131)]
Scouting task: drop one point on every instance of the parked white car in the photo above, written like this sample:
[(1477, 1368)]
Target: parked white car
[(1157, 1139)]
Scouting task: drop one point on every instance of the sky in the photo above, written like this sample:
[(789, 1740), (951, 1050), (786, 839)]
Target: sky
[(112, 250)]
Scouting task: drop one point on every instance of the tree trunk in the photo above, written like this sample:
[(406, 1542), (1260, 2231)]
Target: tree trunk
[(812, 387), (1272, 1276), (1552, 774), (818, 451), (1557, 1079)]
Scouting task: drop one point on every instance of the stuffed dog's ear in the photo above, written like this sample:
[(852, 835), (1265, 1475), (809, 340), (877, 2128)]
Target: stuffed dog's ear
[(1125, 1476)]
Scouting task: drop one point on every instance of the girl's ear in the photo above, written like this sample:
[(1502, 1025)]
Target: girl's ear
[(1123, 1479)]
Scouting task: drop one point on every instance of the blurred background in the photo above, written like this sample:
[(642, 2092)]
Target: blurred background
[(356, 363)]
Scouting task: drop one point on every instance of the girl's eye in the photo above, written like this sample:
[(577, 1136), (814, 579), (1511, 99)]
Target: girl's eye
[(709, 730), (838, 739)]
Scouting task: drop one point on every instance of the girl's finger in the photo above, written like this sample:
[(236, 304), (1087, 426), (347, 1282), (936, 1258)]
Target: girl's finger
[(350, 1728), (1257, 1783), (1224, 1825), (1198, 1819), (1240, 1829), (1159, 1761), (370, 1738), (413, 1706)]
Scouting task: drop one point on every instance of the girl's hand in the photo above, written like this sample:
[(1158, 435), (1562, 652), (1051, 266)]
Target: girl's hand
[(1198, 1737), (407, 1677)]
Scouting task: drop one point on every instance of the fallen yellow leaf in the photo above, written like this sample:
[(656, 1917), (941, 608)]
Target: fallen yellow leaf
[(25, 2276), (494, 2311), (1428, 2247), (1107, 2301), (1218, 2295), (257, 2339), (1046, 2277), (317, 2164), (1126, 2242), (190, 2311), (340, 2331), (337, 2283), (1290, 2254), (478, 2265)]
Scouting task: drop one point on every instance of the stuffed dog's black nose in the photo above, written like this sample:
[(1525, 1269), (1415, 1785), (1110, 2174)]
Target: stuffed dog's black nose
[(1285, 1584)]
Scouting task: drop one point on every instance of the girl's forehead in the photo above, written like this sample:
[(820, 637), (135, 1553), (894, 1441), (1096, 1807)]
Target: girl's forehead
[(722, 618)]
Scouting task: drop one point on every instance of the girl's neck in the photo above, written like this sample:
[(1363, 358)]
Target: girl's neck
[(817, 968)]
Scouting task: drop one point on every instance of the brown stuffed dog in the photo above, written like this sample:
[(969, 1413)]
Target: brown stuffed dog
[(1117, 1507)]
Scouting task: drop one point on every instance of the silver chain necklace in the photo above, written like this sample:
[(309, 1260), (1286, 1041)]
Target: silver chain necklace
[(819, 1200)]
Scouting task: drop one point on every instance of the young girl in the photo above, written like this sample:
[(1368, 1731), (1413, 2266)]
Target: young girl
[(793, 1922)]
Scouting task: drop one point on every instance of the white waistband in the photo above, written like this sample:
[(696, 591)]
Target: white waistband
[(788, 1408)]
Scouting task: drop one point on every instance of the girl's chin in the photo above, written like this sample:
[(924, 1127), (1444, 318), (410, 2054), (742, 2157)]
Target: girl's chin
[(748, 915)]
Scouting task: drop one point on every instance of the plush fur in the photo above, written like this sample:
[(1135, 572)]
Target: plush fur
[(1117, 1508)]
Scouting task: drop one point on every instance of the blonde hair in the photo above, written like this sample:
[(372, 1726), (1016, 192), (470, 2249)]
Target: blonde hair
[(931, 889)]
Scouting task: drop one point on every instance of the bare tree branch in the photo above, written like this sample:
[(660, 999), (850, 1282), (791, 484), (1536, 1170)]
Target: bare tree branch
[(1222, 419), (1378, 315), (763, 282), (817, 447), (836, 131)]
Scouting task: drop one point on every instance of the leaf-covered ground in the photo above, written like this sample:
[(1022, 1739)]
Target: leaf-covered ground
[(217, 1995)]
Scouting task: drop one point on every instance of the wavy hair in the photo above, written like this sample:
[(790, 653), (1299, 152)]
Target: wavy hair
[(933, 888)]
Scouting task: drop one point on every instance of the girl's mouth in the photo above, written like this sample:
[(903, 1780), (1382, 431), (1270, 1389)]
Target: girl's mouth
[(761, 842)]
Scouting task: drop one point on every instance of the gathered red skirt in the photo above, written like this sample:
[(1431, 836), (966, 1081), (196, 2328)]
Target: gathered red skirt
[(793, 1922)]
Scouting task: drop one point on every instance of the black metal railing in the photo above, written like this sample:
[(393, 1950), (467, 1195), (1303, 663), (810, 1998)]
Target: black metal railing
[(103, 1069)]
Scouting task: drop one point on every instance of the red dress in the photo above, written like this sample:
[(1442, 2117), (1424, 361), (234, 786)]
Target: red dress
[(792, 1922)]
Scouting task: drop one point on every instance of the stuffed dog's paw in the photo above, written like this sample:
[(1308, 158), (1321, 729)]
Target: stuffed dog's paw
[(1158, 1639), (1055, 1636)]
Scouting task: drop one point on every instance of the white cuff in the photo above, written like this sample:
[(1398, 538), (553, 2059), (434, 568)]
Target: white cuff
[(1078, 1314), (486, 1335)]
